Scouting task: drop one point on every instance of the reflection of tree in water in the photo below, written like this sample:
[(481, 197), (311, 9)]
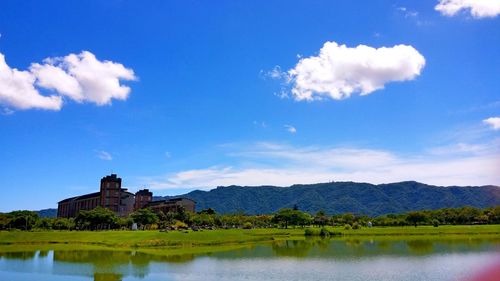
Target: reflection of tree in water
[(19, 255), (43, 254), (384, 245), (100, 259), (113, 265), (294, 248), (420, 246), (107, 277)]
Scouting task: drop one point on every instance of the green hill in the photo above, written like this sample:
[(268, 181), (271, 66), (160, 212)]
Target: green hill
[(341, 197)]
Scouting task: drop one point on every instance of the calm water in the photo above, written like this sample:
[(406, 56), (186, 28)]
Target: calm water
[(313, 259)]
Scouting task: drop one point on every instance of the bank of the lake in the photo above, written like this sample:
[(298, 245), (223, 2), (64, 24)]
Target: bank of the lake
[(192, 242)]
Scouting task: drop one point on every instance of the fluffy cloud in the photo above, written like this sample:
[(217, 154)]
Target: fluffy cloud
[(79, 77), (477, 8), (283, 165), (17, 90), (493, 122), (339, 71)]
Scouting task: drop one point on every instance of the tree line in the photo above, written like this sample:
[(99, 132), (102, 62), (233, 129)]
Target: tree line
[(104, 219)]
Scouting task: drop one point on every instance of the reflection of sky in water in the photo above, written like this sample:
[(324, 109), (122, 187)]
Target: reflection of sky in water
[(312, 259)]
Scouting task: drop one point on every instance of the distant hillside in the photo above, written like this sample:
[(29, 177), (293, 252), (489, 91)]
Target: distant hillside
[(47, 213), (341, 197)]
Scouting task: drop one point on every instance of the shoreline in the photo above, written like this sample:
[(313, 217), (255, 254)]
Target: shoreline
[(207, 241)]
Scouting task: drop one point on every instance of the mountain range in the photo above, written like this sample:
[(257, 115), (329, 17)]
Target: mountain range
[(342, 197), (337, 198)]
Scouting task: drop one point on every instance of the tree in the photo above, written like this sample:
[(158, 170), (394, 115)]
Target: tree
[(283, 216), (63, 224), (96, 219), (25, 220), (320, 218), (144, 217), (208, 211), (416, 217), (292, 217), (348, 218), (4, 221)]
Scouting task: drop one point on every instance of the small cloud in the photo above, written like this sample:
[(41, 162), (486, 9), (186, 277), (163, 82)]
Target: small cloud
[(168, 154), (7, 111), (493, 122), (103, 155), (282, 94), (407, 12), (291, 129), (261, 124), (276, 72), (477, 8)]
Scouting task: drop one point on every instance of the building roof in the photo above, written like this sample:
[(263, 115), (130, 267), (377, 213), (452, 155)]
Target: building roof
[(81, 197)]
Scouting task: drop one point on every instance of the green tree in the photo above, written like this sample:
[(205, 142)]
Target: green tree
[(96, 219), (320, 219), (144, 217), (24, 220), (283, 216), (208, 211), (415, 218), (63, 224)]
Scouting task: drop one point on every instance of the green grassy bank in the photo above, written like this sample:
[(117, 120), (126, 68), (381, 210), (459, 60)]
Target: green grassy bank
[(182, 242)]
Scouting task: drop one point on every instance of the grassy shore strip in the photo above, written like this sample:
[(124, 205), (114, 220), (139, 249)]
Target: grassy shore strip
[(231, 238), (422, 230), (142, 239)]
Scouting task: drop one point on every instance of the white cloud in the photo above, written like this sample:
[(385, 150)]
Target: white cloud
[(340, 71), (99, 80), (493, 122), (477, 8), (79, 77), (17, 90), (103, 155), (291, 129), (283, 165), (261, 124), (407, 12), (53, 77)]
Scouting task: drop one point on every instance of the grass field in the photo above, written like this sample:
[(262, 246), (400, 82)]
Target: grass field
[(178, 242)]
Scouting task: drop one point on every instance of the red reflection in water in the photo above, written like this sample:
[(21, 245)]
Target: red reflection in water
[(490, 273)]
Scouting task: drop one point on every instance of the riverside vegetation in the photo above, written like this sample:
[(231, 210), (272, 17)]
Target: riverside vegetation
[(206, 231)]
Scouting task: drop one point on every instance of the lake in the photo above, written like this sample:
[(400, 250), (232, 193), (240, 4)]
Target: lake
[(310, 259)]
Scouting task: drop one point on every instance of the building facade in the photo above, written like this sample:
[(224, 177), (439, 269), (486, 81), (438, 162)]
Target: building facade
[(142, 198), (172, 205), (117, 199)]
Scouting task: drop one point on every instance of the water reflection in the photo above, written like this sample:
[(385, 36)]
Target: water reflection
[(119, 265)]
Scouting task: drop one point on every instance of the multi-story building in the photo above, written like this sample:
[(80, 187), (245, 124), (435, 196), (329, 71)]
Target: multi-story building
[(112, 196), (142, 198), (172, 205)]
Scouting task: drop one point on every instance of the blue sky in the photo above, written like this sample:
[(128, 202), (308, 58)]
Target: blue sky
[(183, 95)]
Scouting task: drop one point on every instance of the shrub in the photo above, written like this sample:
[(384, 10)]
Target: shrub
[(312, 232), (356, 225), (347, 226), (435, 223), (324, 232), (179, 225), (247, 225)]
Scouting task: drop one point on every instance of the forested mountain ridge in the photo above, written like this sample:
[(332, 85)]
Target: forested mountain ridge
[(342, 197)]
